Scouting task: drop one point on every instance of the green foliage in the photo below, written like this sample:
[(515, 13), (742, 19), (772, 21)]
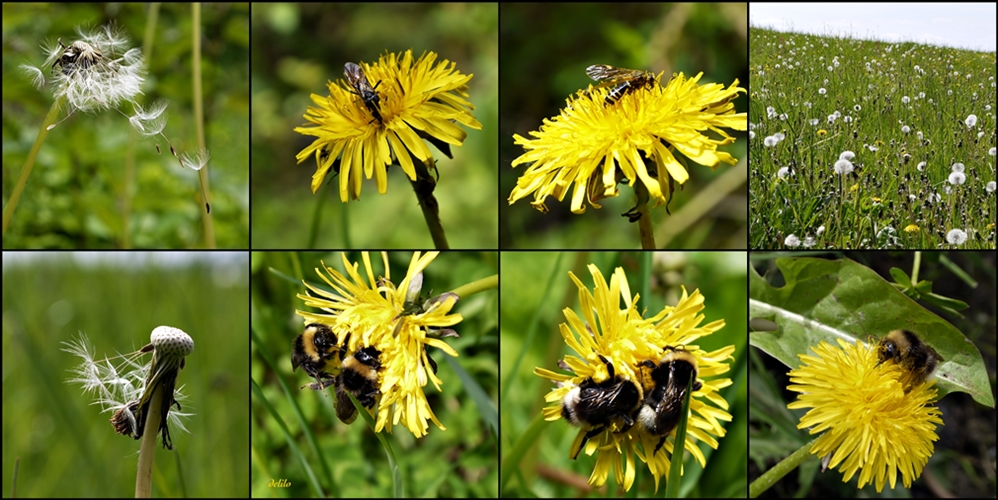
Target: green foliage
[(96, 183), (899, 196), (66, 445), (349, 461)]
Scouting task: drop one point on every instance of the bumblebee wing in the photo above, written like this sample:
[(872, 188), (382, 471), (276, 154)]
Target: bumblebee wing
[(345, 410)]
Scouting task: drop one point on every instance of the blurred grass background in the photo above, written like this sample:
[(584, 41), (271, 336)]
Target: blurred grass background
[(536, 287), (459, 462), (546, 49), (66, 445), (297, 49), (73, 198)]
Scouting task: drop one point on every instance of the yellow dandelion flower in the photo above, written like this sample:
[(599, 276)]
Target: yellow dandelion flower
[(594, 145), (397, 324), (854, 188), (613, 343), (359, 139), (822, 132), (868, 423), (911, 228)]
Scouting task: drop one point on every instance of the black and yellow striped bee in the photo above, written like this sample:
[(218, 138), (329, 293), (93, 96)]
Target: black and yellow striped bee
[(317, 352), (625, 80)]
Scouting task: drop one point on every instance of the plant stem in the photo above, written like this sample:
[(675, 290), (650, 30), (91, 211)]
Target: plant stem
[(198, 97), (645, 228), (423, 186), (147, 450), (29, 163)]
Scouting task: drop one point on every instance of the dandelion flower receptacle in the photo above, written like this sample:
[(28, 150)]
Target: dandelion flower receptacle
[(370, 313), (596, 142), (360, 133), (611, 388), (868, 423)]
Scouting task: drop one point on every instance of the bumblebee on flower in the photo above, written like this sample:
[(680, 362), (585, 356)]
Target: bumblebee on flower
[(626, 379)]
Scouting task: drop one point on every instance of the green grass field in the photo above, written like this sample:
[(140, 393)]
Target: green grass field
[(919, 121)]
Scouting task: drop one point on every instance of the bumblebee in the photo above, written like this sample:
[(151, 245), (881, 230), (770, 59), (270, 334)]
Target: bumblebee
[(594, 406), (915, 357), (315, 350), (663, 404), (358, 376)]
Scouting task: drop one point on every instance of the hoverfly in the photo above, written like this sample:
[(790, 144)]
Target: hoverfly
[(355, 76), (626, 80)]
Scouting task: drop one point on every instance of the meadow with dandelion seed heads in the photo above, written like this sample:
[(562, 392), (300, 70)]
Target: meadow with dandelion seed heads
[(868, 144)]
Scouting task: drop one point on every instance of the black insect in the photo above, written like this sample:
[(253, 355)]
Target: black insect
[(355, 76), (624, 80), (79, 55)]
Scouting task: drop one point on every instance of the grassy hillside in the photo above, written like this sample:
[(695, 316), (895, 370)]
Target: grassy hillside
[(918, 121)]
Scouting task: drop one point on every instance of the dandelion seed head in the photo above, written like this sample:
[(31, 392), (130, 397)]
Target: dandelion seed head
[(971, 121), (843, 167), (957, 178), (990, 187), (956, 237), (958, 167), (847, 155)]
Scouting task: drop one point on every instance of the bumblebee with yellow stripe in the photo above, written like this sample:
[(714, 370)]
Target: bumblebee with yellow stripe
[(358, 376), (914, 356), (316, 351), (663, 404)]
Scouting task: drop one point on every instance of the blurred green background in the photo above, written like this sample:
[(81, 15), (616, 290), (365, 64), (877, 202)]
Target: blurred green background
[(66, 445), (459, 462), (76, 194), (536, 287), (545, 51), (297, 49)]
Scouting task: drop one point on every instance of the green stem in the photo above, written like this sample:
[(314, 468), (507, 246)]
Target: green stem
[(29, 163), (423, 186), (209, 226), (147, 450), (645, 228)]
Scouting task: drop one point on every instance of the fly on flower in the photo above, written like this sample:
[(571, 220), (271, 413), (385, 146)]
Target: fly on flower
[(355, 76), (79, 55), (625, 80)]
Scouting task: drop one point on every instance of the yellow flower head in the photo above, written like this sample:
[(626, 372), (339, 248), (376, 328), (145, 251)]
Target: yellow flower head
[(416, 100), (625, 339), (867, 420), (594, 144), (394, 321), (911, 228)]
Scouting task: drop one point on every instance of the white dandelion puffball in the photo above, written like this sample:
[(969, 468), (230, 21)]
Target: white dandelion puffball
[(843, 167), (956, 237), (792, 241), (783, 172), (971, 121), (957, 178), (958, 167), (847, 155), (990, 187), (171, 341)]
